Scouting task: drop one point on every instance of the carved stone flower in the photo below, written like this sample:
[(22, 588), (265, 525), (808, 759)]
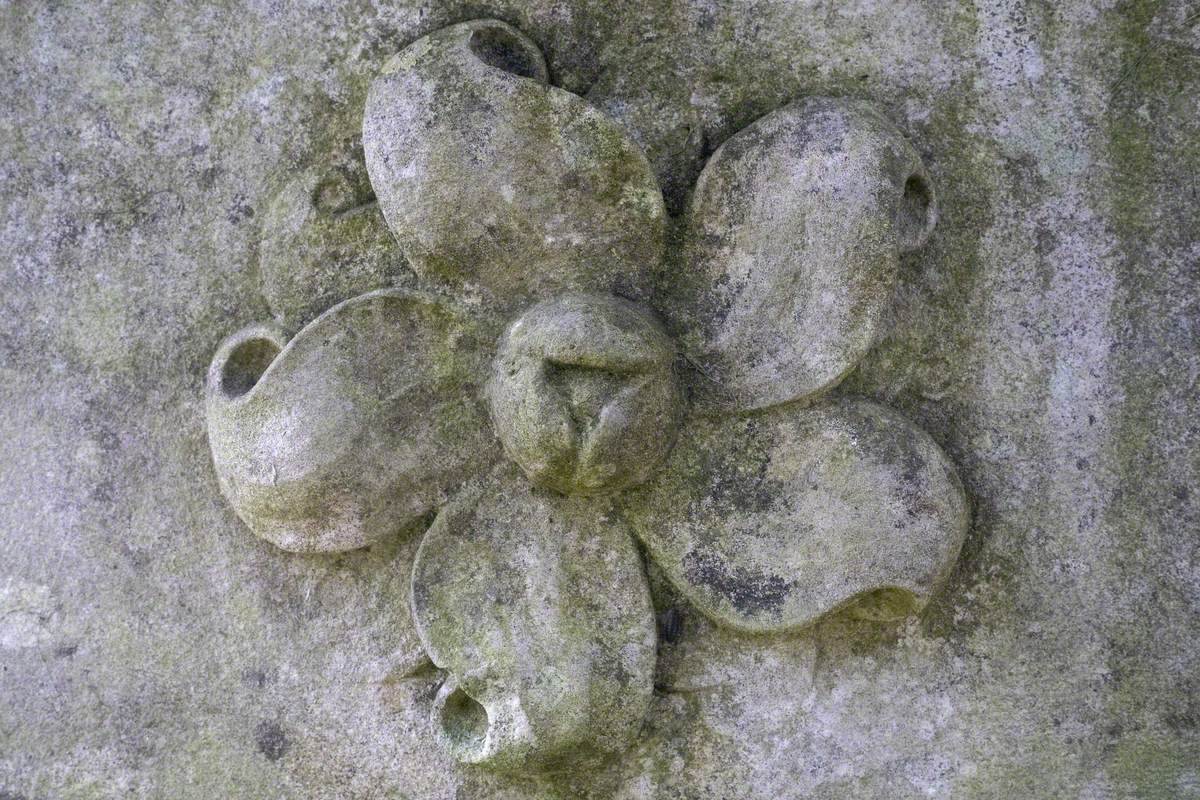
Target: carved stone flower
[(554, 387)]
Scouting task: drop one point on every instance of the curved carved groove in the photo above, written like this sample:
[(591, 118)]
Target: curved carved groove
[(464, 723), (917, 212), (242, 359), (500, 46)]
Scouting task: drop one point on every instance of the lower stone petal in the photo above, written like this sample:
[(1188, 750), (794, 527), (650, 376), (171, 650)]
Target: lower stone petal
[(537, 606), (767, 523)]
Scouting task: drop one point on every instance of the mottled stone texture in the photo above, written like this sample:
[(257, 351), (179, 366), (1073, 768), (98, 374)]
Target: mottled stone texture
[(1046, 338)]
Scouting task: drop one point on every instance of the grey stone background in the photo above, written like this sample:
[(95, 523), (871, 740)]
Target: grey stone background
[(1047, 338)]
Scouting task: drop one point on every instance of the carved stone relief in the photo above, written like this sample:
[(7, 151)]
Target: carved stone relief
[(583, 394), (794, 234), (352, 429), (537, 606), (498, 184), (554, 392)]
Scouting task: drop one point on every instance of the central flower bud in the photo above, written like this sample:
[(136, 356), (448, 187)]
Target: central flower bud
[(583, 394)]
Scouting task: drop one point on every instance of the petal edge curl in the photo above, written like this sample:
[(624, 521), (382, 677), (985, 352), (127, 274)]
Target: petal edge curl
[(354, 428)]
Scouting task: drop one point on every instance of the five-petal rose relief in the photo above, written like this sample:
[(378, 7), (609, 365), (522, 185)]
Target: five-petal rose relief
[(563, 404)]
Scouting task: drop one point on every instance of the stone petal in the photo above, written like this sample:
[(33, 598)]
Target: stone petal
[(355, 427), (538, 607), (324, 240), (660, 114), (792, 246), (766, 523), (497, 182)]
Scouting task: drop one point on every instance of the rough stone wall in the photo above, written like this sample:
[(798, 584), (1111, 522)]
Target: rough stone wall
[(1047, 338)]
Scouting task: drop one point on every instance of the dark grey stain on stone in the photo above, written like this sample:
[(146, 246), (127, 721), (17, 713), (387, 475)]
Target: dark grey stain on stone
[(271, 741), (750, 593)]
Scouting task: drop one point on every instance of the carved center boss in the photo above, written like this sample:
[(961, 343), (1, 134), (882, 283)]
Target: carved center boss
[(551, 389)]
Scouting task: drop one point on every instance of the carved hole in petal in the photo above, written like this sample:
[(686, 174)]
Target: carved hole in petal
[(246, 364), (465, 723), (501, 48), (917, 213), (884, 605), (334, 195)]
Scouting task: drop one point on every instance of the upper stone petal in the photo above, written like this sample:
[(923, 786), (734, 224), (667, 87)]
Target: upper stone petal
[(767, 523), (500, 184), (792, 244)]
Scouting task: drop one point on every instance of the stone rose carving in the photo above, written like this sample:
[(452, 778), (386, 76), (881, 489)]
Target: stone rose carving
[(523, 388)]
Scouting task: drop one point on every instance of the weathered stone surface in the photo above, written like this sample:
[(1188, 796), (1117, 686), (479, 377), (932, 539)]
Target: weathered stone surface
[(324, 239), (793, 241), (583, 394), (151, 648), (501, 184), (767, 523), (659, 114), (538, 607), (353, 429)]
